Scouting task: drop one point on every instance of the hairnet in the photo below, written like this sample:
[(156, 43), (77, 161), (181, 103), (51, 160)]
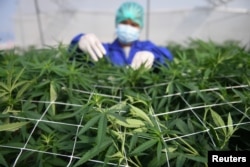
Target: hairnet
[(132, 11)]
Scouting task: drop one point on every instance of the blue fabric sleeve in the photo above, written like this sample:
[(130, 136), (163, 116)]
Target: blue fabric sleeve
[(74, 43), (161, 53), (164, 54), (75, 52)]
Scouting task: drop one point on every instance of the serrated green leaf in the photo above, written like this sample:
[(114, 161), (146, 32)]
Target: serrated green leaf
[(218, 120), (180, 160), (207, 73), (25, 87), (116, 155), (57, 162), (17, 78), (89, 124), (144, 146), (170, 88), (66, 115), (230, 124), (132, 123), (45, 127), (141, 114), (116, 117), (171, 149), (133, 142), (18, 84), (182, 126), (196, 158), (162, 103), (4, 94), (53, 97), (86, 139), (102, 127), (119, 107), (3, 161), (240, 94), (215, 136), (190, 125), (163, 161), (159, 150), (12, 126), (10, 110), (4, 86), (110, 151), (93, 152), (53, 94), (140, 130)]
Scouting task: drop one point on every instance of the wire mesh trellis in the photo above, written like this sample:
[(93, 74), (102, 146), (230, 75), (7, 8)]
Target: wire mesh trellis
[(217, 102)]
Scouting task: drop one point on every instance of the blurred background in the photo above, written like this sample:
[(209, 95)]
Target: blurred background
[(41, 23)]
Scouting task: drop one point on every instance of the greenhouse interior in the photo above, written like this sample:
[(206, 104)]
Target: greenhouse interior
[(58, 111)]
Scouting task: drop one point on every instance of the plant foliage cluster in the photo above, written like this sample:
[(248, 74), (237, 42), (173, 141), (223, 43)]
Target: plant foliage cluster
[(56, 112)]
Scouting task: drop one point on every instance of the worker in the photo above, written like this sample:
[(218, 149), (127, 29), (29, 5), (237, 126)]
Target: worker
[(127, 49)]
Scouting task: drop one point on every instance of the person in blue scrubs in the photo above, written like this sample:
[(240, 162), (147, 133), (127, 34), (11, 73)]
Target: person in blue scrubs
[(127, 49)]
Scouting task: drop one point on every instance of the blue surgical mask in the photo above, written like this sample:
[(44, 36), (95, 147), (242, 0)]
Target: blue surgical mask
[(127, 34)]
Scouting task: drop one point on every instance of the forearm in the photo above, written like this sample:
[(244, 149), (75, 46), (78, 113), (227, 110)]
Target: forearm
[(75, 52)]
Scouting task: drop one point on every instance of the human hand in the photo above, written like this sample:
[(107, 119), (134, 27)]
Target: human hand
[(145, 58), (90, 44)]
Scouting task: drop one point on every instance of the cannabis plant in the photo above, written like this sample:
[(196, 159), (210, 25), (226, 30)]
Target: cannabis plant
[(60, 112)]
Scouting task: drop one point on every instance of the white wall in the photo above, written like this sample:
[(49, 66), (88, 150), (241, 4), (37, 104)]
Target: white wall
[(169, 20)]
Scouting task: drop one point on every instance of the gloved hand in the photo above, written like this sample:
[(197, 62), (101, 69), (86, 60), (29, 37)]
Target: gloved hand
[(145, 58), (90, 44)]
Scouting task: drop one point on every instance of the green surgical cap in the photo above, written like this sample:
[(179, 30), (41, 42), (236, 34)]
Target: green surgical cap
[(132, 11)]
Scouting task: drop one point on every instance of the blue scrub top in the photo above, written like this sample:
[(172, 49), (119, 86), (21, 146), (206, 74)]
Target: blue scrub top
[(116, 55)]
